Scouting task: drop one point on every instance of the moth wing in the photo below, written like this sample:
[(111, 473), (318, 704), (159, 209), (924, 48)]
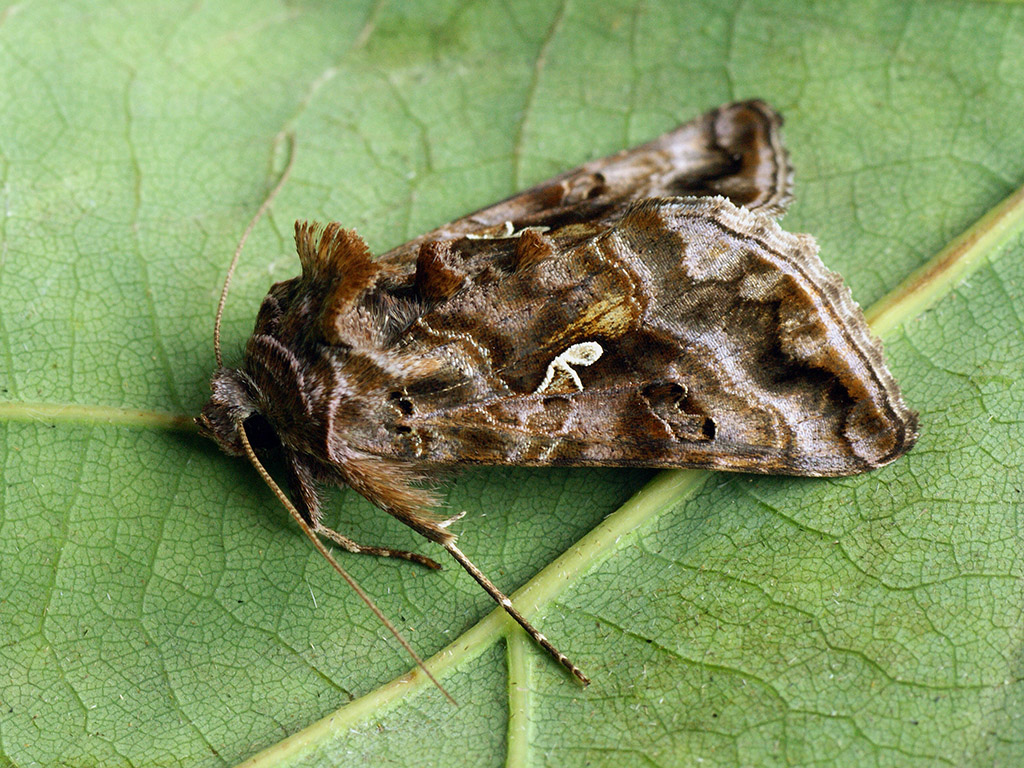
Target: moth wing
[(654, 425), (693, 334), (735, 151)]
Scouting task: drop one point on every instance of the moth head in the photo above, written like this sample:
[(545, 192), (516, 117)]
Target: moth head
[(232, 407)]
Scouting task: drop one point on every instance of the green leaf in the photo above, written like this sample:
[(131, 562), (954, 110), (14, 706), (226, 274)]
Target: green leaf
[(157, 607)]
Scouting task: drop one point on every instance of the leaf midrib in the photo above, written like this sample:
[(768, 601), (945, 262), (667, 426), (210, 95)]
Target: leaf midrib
[(77, 413)]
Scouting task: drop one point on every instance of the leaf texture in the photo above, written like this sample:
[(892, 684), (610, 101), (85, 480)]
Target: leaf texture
[(157, 608)]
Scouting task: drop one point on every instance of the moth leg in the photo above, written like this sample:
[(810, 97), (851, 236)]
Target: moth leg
[(361, 549), (302, 481), (502, 600)]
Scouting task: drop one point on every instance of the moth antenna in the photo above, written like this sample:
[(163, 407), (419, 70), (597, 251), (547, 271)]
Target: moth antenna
[(251, 454), (510, 609), (241, 244)]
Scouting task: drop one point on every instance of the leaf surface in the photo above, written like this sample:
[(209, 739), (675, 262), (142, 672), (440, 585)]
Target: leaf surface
[(157, 607)]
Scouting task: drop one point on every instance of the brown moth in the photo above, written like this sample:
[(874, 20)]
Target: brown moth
[(644, 309)]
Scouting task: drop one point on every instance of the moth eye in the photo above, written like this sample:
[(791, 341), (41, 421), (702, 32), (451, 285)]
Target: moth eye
[(261, 435)]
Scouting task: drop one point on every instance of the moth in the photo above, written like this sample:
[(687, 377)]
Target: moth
[(642, 310)]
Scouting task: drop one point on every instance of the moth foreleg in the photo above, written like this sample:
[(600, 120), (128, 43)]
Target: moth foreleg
[(361, 549)]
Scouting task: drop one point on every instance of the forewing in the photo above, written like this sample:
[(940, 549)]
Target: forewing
[(693, 334)]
